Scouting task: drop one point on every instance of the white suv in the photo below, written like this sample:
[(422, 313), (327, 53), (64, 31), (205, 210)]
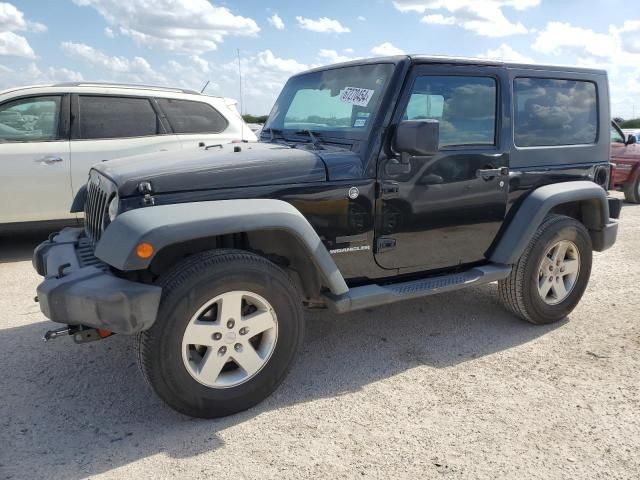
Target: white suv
[(51, 135)]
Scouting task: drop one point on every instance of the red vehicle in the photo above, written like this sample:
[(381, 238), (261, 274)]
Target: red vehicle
[(625, 155)]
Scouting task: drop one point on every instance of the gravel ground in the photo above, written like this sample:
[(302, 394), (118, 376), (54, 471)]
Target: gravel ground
[(449, 386)]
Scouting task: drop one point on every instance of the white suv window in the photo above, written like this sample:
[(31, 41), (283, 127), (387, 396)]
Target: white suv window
[(33, 119), (116, 117), (186, 116)]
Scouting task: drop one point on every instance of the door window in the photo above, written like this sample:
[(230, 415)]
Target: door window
[(116, 117), (33, 119), (186, 116), (464, 106)]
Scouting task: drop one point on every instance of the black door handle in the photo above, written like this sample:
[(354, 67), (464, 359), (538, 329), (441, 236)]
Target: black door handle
[(489, 173)]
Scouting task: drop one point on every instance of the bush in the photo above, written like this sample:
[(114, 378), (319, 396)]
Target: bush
[(254, 118), (634, 123)]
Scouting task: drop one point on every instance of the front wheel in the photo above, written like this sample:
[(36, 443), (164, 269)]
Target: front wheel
[(552, 274), (229, 325)]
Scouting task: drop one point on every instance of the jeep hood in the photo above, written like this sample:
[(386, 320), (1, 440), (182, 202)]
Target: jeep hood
[(218, 167)]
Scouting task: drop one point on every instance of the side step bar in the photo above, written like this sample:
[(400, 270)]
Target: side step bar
[(368, 296)]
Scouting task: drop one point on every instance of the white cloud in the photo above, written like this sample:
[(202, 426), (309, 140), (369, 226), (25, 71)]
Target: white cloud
[(328, 56), (31, 74), (263, 76), (438, 19), (135, 65), (322, 25), (12, 20), (15, 45), (361, 18), (184, 26), (505, 53), (629, 35), (200, 63), (193, 75), (386, 49), (109, 32), (268, 60), (560, 37), (484, 17), (348, 50), (276, 21)]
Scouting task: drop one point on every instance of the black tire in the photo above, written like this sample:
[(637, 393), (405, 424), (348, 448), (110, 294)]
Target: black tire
[(188, 286), (632, 191), (519, 292)]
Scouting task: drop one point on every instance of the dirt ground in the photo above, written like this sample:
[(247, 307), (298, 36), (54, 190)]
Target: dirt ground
[(449, 386)]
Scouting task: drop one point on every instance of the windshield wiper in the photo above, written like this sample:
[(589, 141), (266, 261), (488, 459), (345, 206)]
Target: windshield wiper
[(274, 133), (315, 140)]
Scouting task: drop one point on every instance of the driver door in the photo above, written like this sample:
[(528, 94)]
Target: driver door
[(445, 210)]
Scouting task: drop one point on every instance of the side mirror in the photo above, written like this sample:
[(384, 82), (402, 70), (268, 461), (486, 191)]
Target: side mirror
[(416, 138), (631, 140)]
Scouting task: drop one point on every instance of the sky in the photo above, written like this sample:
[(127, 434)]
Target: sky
[(186, 43)]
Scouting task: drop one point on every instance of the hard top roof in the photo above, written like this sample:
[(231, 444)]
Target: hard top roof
[(442, 59)]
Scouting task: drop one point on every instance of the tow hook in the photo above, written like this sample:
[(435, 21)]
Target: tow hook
[(85, 335), (59, 332), (80, 334)]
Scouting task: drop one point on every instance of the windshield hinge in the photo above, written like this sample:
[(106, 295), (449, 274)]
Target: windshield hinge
[(389, 188), (385, 244)]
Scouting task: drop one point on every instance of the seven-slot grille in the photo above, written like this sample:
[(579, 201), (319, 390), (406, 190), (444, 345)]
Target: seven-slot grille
[(96, 206)]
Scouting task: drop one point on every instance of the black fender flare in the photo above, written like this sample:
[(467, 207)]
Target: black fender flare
[(77, 206), (532, 211), (166, 225)]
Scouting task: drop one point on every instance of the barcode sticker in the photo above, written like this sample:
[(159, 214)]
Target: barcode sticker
[(356, 96)]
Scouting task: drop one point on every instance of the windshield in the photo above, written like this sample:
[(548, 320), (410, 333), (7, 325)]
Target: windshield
[(341, 101)]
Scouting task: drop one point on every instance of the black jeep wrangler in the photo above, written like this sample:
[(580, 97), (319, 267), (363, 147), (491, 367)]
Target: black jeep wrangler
[(373, 182)]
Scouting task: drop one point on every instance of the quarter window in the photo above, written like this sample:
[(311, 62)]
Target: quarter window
[(186, 116), (551, 112), (116, 117), (464, 106), (34, 119)]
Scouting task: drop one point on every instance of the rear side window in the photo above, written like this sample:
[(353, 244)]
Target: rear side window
[(552, 112), (464, 106), (186, 116), (116, 117)]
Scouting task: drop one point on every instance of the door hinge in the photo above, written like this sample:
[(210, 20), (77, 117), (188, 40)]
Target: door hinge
[(389, 188), (385, 243)]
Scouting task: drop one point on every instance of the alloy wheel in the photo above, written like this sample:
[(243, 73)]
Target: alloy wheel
[(558, 272), (230, 339)]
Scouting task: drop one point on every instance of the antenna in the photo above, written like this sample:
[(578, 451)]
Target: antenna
[(240, 84), (205, 86)]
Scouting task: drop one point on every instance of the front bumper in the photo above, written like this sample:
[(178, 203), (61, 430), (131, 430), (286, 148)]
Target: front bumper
[(81, 290)]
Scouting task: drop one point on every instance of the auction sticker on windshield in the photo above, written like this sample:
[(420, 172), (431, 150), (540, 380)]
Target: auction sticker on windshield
[(356, 96)]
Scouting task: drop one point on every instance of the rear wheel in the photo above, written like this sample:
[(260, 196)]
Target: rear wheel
[(632, 191), (229, 325), (552, 274)]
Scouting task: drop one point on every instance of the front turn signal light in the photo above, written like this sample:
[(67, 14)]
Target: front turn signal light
[(144, 250)]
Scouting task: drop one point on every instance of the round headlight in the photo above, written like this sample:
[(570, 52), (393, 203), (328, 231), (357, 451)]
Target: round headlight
[(113, 208)]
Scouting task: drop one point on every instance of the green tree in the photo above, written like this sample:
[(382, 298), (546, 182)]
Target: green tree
[(254, 118), (633, 123)]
